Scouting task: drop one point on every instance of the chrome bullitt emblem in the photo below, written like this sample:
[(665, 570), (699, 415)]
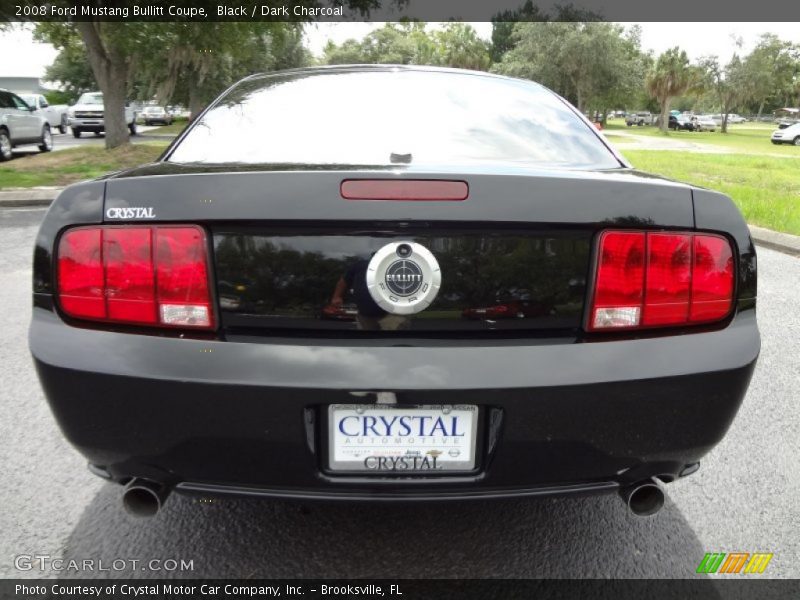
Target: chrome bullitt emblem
[(403, 278)]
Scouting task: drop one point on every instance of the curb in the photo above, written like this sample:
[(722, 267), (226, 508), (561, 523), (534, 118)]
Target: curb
[(782, 242), (775, 240), (29, 197)]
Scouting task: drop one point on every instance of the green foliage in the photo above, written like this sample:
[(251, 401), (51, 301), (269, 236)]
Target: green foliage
[(596, 65), (731, 85), (672, 76), (772, 70), (178, 63), (71, 67), (200, 60), (455, 45), (58, 97), (503, 27)]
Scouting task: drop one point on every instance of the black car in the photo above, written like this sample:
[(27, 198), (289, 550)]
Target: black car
[(182, 326), (680, 123)]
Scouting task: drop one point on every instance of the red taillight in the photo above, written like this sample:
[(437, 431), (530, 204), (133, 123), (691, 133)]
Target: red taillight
[(649, 279), (81, 284), (669, 273), (712, 279), (404, 189), (620, 278), (154, 276)]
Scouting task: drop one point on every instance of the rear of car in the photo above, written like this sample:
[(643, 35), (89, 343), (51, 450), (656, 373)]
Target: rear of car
[(156, 114), (446, 285)]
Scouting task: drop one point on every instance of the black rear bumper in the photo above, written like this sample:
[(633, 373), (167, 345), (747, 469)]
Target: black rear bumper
[(246, 417)]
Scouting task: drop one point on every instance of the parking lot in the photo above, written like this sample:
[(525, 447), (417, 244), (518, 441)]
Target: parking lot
[(64, 141), (744, 497)]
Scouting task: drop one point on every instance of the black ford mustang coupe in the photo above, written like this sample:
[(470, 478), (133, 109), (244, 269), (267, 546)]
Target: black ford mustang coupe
[(392, 283)]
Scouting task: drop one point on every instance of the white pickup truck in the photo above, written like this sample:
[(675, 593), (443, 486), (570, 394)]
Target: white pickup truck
[(87, 115), (56, 114)]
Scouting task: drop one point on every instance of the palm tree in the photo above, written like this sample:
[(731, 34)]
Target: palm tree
[(671, 76)]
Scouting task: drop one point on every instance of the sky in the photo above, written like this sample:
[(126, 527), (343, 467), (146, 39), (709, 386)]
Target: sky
[(698, 39)]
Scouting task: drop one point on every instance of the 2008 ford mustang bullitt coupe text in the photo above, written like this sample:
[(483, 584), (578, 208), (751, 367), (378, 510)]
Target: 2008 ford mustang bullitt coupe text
[(451, 287)]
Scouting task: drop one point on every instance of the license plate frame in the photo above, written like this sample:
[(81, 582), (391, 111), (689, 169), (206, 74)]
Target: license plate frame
[(447, 467)]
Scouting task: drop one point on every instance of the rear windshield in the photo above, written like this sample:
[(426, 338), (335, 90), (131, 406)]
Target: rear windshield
[(392, 117)]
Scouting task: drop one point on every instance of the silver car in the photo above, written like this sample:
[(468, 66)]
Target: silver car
[(19, 126), (156, 114)]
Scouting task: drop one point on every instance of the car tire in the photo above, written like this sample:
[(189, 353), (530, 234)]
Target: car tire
[(629, 124), (132, 128), (776, 143), (5, 145), (797, 141), (76, 132), (62, 127), (47, 140)]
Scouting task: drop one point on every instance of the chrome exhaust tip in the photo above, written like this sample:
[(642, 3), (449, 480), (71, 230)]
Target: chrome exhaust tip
[(144, 498), (644, 498)]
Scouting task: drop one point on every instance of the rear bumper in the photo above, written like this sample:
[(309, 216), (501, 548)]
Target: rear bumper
[(246, 418)]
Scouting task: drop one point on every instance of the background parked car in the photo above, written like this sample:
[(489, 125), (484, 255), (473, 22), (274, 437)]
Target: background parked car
[(788, 135), (680, 122), (639, 119), (703, 123), (19, 125), (56, 114), (87, 115), (732, 118), (156, 114)]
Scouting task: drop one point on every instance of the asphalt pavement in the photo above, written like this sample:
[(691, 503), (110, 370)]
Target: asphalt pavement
[(744, 498), (63, 141)]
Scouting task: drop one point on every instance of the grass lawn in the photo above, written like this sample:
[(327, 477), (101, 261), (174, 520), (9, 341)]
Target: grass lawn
[(173, 129), (74, 164), (765, 188), (752, 138)]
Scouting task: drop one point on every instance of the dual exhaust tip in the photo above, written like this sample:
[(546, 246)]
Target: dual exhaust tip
[(144, 498)]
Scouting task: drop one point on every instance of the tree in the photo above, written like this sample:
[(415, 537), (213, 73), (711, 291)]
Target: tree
[(71, 67), (503, 27), (111, 49), (199, 61), (770, 69), (205, 58), (455, 45), (730, 84), (503, 23), (458, 45), (593, 64), (671, 76), (72, 71)]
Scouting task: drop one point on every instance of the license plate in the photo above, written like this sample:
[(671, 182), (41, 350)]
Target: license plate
[(380, 439)]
